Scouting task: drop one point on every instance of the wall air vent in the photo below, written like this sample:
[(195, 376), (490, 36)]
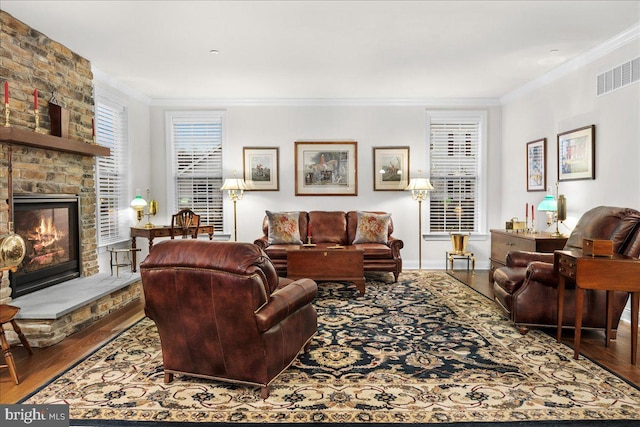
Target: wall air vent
[(618, 77)]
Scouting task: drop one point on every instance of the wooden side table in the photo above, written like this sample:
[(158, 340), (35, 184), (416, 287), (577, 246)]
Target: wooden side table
[(7, 315), (615, 273)]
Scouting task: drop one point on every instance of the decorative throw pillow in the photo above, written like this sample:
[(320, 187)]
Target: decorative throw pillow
[(372, 228), (283, 228)]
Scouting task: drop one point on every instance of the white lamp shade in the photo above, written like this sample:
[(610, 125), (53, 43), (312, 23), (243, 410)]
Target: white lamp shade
[(138, 203), (234, 184), (419, 184)]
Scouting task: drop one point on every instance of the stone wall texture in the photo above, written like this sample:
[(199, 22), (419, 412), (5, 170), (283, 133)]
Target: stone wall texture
[(30, 60)]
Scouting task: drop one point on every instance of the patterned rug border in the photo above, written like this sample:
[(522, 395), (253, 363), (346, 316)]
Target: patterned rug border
[(545, 331), (512, 423)]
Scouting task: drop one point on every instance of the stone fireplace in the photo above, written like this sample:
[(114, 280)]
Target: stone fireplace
[(44, 167)]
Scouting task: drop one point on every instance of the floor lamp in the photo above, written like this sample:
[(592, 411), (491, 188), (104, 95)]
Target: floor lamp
[(419, 188), (235, 187)]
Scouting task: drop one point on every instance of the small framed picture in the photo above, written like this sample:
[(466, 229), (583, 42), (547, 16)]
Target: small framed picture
[(261, 168), (576, 154), (537, 165), (326, 168), (390, 168)]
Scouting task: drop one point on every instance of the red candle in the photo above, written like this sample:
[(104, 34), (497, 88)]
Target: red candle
[(6, 92), (526, 211), (35, 99), (532, 217)]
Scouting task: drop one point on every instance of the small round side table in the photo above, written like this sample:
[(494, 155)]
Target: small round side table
[(7, 315)]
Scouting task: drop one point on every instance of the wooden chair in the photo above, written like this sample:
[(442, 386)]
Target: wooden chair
[(183, 223), (7, 315)]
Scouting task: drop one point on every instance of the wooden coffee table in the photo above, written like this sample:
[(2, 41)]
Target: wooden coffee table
[(322, 262)]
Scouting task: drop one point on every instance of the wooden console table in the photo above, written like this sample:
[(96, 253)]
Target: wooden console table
[(160, 231), (614, 273), (323, 263)]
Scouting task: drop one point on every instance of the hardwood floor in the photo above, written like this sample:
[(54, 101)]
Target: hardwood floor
[(35, 371)]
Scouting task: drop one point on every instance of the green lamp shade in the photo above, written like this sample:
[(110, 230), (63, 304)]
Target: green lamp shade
[(549, 204)]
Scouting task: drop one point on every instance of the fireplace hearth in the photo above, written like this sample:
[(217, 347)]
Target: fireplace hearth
[(49, 225)]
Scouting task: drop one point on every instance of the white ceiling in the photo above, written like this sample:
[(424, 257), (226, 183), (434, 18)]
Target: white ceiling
[(327, 49)]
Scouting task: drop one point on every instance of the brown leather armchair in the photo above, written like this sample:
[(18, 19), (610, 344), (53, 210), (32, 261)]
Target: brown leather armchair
[(527, 288), (222, 312)]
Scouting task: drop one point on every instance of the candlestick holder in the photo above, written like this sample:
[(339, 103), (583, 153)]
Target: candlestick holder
[(37, 115), (6, 115)]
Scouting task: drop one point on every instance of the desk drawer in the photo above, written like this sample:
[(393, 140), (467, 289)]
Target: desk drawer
[(567, 267), (502, 244)]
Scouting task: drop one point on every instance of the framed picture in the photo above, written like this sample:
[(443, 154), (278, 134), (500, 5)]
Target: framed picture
[(577, 154), (390, 168), (537, 165), (326, 168), (261, 168)]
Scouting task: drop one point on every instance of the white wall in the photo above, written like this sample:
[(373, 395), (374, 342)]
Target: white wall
[(565, 104), (370, 126)]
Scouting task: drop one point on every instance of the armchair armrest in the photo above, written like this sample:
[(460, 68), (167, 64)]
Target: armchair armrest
[(285, 301), (262, 242), (395, 245), (542, 272), (523, 258)]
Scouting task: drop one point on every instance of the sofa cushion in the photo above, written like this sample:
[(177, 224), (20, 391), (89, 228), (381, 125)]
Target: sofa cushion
[(283, 227), (372, 228), (328, 227)]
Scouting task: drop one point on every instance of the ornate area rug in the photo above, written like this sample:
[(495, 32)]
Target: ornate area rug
[(426, 350)]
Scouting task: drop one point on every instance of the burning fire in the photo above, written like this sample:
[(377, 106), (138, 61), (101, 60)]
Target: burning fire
[(46, 233)]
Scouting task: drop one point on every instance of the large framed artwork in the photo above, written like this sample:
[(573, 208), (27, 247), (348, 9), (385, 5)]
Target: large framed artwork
[(326, 168), (261, 168), (390, 168), (576, 154), (537, 165)]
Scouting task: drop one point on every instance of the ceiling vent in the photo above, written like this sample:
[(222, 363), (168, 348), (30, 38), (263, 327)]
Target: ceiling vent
[(618, 77)]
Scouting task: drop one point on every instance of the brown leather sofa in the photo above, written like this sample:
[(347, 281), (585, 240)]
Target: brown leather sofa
[(527, 288), (223, 313), (331, 228)]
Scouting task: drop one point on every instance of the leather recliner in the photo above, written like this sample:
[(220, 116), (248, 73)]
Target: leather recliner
[(223, 313), (527, 287)]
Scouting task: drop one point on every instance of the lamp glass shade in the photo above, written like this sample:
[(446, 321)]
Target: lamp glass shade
[(138, 203), (549, 204), (419, 184), (234, 184)]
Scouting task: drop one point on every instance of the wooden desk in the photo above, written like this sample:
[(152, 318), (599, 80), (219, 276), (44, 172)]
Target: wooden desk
[(615, 273), (160, 231)]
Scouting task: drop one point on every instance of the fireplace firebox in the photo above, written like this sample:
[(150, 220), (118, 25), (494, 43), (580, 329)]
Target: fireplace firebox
[(50, 227)]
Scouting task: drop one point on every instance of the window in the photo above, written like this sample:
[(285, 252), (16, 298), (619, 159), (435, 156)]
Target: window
[(111, 128), (456, 141), (196, 164)]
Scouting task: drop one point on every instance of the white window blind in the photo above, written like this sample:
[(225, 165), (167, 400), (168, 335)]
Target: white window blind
[(454, 172), (197, 166), (111, 127)]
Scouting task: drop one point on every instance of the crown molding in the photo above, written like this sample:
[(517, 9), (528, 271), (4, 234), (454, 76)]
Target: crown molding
[(323, 102), (627, 36), (102, 77)]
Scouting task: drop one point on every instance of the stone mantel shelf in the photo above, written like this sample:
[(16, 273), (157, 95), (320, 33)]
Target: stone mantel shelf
[(49, 142)]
